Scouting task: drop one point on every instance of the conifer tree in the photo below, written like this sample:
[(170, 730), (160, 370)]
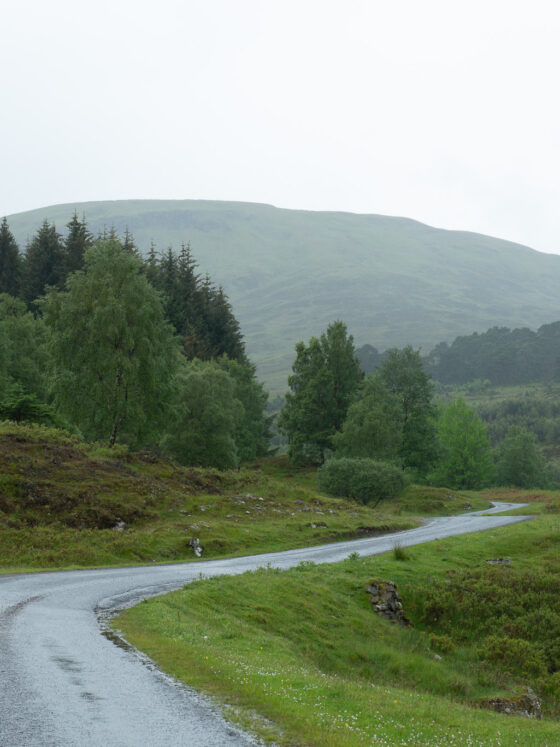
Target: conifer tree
[(44, 263), (77, 242), (10, 261), (128, 242)]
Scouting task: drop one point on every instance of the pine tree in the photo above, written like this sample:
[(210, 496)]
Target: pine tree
[(128, 243), (44, 263), (77, 241), (10, 261)]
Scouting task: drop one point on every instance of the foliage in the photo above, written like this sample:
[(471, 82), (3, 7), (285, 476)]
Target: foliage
[(23, 354), (364, 480), (113, 353), (511, 614), (403, 373), (206, 418), (44, 263), (78, 240), (518, 463), (252, 430), (374, 424), (326, 374), (500, 355), (10, 261), (466, 458), (200, 312), (18, 406)]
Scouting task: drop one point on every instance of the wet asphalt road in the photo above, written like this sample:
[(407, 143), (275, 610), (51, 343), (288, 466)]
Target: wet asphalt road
[(62, 682)]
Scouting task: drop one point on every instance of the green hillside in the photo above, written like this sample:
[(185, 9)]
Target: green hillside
[(289, 273)]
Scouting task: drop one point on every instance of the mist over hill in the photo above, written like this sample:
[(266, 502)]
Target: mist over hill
[(289, 273)]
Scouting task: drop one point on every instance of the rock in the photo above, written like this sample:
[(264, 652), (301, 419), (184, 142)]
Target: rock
[(527, 705), (386, 601), (194, 542), (319, 525), (499, 561), (120, 526)]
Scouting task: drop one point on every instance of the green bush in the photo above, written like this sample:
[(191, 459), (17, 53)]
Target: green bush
[(513, 655), (364, 480), (443, 644)]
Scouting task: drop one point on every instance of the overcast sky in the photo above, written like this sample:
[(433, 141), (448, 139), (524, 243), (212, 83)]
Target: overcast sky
[(443, 111)]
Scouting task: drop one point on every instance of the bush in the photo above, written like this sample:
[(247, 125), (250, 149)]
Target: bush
[(364, 480)]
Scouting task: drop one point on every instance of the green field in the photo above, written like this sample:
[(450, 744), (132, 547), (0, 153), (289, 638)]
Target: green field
[(289, 273), (300, 658)]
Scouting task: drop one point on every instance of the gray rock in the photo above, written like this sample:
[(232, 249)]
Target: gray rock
[(194, 542), (386, 601), (527, 705)]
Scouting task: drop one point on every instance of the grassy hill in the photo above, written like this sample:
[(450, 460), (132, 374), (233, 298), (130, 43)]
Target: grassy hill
[(300, 658), (289, 273)]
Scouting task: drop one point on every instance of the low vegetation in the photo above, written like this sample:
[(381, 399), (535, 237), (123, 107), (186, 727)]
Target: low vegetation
[(67, 503), (305, 651)]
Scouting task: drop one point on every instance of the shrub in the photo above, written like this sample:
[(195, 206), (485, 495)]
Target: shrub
[(513, 655), (443, 644), (364, 480)]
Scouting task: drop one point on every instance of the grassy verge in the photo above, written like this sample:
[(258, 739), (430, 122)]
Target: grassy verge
[(304, 650), (67, 504)]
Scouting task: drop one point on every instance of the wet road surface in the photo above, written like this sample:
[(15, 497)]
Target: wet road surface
[(64, 682)]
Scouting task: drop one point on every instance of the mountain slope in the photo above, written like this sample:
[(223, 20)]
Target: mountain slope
[(289, 273)]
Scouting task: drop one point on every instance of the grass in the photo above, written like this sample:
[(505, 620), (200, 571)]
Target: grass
[(304, 650), (61, 501)]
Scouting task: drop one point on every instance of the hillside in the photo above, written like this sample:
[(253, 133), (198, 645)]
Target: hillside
[(289, 273)]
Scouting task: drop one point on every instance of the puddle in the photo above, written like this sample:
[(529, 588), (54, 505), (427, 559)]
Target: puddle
[(117, 640)]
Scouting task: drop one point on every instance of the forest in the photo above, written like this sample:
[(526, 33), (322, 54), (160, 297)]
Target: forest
[(120, 349)]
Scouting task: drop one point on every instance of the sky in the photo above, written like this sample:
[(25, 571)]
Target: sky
[(443, 111)]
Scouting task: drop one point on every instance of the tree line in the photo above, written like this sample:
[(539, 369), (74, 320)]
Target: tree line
[(501, 356), (122, 349), (333, 412)]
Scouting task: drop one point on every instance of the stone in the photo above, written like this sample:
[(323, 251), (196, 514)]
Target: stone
[(120, 526), (527, 705), (194, 542), (499, 561), (386, 601)]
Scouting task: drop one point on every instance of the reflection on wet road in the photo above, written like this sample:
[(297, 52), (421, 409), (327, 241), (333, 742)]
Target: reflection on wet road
[(63, 681)]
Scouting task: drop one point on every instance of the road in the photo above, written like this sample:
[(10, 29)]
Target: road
[(64, 682)]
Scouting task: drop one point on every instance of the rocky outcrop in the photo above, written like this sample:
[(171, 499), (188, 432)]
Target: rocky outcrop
[(527, 705), (386, 601)]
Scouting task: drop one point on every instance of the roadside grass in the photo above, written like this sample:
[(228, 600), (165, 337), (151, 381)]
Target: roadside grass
[(68, 504), (305, 651)]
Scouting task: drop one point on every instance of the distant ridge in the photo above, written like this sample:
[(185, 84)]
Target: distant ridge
[(288, 273)]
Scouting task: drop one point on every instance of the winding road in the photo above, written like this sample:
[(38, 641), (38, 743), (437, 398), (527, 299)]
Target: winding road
[(63, 681)]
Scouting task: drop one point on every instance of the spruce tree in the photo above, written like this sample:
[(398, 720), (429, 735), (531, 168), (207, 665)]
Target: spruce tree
[(77, 242), (10, 261), (44, 263)]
